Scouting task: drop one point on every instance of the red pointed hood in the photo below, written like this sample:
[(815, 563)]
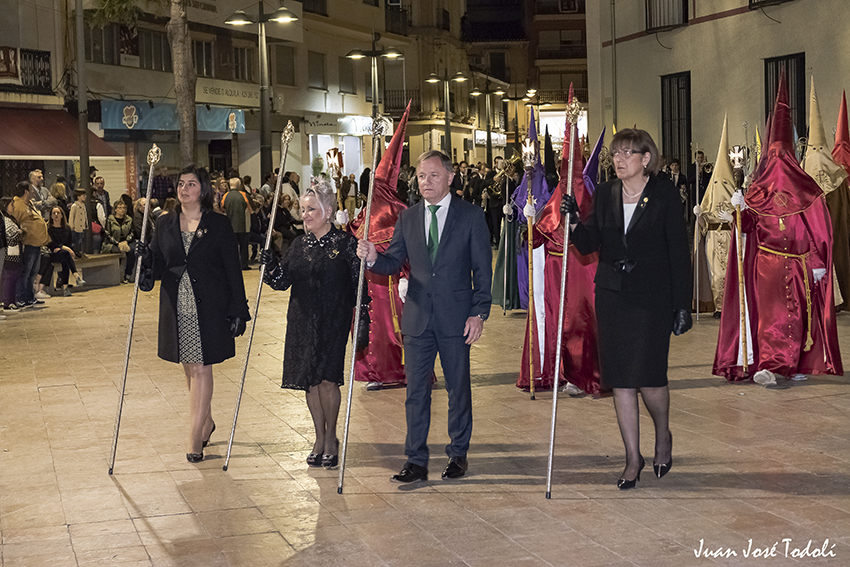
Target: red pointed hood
[(841, 151), (386, 206), (782, 187), (550, 223)]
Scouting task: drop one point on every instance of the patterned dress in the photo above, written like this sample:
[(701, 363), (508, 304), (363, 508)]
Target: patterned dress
[(323, 275), (188, 332)]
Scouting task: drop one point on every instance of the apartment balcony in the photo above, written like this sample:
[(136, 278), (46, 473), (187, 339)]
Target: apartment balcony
[(577, 51), (396, 20), (549, 7), (395, 101), (559, 96), (35, 74)]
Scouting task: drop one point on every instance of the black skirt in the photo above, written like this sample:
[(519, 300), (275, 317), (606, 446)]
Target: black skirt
[(634, 341)]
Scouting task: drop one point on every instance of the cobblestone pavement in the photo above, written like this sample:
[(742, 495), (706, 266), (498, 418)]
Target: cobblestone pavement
[(751, 463)]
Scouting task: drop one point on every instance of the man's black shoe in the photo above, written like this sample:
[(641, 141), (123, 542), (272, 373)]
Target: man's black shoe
[(411, 472), (456, 468)]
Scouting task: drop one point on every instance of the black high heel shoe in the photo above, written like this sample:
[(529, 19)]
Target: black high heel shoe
[(195, 457), (207, 442), (664, 468), (624, 484), (330, 461), (314, 460)]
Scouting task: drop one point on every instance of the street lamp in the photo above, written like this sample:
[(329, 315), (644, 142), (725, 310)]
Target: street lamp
[(240, 18), (458, 78), (487, 92), (374, 53)]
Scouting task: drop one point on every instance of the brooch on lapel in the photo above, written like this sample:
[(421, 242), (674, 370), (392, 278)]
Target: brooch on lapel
[(643, 202), (333, 253), (200, 232)]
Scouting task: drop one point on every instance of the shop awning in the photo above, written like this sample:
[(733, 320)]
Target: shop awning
[(45, 134)]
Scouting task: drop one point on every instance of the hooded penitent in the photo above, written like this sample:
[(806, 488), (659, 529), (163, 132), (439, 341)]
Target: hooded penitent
[(579, 352), (787, 269), (533, 181), (382, 361), (716, 232), (832, 178)]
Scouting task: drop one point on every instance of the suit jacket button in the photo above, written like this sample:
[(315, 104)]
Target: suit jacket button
[(433, 275)]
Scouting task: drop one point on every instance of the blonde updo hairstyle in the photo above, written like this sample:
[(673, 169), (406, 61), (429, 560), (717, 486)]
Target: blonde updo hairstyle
[(323, 192)]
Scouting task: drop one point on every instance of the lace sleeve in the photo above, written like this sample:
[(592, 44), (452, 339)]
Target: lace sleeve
[(353, 263)]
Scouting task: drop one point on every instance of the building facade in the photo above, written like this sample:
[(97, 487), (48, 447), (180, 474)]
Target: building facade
[(677, 66)]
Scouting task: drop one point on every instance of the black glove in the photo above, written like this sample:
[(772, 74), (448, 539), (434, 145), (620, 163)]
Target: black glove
[(269, 259), (143, 251), (569, 207), (681, 321), (237, 327), (362, 339)]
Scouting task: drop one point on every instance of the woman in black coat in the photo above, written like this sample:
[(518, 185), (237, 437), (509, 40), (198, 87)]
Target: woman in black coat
[(202, 304), (643, 290)]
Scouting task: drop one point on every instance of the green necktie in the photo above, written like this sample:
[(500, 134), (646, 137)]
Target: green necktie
[(433, 233)]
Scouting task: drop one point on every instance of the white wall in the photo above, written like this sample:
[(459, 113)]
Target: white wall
[(725, 57)]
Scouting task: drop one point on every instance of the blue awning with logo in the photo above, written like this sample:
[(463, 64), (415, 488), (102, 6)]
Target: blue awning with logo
[(140, 115)]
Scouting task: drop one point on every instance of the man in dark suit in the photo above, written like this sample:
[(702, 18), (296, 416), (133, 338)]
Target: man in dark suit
[(445, 240)]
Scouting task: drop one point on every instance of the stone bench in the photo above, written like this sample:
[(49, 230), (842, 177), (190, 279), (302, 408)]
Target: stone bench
[(99, 270)]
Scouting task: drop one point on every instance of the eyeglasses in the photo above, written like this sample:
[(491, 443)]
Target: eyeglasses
[(625, 153)]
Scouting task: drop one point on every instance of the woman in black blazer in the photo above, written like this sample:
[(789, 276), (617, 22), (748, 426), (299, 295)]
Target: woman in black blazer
[(643, 289), (202, 304)]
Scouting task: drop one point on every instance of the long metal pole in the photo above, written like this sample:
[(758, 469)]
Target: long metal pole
[(265, 102), (489, 156), (285, 139), (153, 157), (743, 303), (377, 134), (448, 125), (83, 181), (697, 239), (572, 116), (532, 319)]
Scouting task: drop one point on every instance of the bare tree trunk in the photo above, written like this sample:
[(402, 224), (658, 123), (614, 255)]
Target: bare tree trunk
[(184, 79)]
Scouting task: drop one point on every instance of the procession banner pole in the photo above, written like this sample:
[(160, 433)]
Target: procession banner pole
[(528, 158), (696, 264), (285, 139), (744, 352), (377, 135), (153, 157), (573, 110)]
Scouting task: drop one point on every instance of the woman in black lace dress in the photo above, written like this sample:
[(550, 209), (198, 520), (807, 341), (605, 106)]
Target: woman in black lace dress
[(322, 268)]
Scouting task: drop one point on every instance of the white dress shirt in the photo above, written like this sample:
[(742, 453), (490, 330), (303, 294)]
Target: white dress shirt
[(441, 216)]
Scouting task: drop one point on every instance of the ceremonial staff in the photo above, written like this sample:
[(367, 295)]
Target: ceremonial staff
[(741, 295), (573, 110), (377, 136), (153, 157), (285, 139), (698, 171), (529, 159)]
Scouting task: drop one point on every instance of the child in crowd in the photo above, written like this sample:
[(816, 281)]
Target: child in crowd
[(78, 220), (12, 263)]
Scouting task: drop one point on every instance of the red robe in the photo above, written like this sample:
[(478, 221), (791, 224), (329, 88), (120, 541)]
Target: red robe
[(782, 227), (382, 360), (579, 356)]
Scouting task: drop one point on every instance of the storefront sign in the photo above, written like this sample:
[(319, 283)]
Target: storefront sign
[(345, 125), (227, 93), (139, 115), (496, 138)]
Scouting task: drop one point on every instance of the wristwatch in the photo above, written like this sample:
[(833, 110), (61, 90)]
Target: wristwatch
[(482, 316)]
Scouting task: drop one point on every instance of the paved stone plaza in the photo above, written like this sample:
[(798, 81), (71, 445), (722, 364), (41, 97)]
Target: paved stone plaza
[(750, 463)]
